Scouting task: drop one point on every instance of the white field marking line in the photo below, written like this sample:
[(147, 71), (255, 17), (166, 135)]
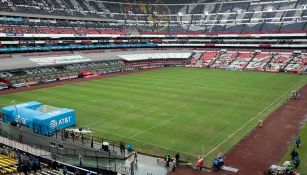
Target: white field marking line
[(231, 135), (119, 119), (105, 101), (158, 146), (94, 123), (156, 125), (131, 105), (153, 111)]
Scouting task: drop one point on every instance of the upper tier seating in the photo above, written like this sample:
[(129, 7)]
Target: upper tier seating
[(173, 16)]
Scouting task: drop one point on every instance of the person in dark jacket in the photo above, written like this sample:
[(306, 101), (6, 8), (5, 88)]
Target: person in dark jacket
[(298, 141), (297, 162), (293, 154), (215, 163), (177, 157), (64, 170), (167, 159)]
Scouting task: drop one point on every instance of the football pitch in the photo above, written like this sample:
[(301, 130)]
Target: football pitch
[(189, 111)]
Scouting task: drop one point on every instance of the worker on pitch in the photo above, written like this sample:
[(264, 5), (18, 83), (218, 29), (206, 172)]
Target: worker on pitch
[(296, 162), (167, 159), (260, 123), (200, 162), (293, 154), (298, 141)]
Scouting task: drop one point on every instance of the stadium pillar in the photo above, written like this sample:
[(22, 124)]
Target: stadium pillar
[(92, 142), (101, 143)]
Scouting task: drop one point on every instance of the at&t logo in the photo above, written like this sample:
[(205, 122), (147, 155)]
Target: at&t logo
[(53, 124)]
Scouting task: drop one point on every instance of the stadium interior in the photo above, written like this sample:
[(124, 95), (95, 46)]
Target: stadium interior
[(56, 41)]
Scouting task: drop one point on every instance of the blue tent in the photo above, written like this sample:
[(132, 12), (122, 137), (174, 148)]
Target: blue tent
[(30, 115)]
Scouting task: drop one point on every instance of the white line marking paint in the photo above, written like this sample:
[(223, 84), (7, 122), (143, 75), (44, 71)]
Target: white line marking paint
[(94, 123), (158, 124), (226, 168)]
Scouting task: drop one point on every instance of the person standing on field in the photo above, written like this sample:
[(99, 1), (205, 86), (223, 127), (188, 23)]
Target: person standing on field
[(297, 162), (260, 124), (293, 154), (174, 164), (298, 141), (177, 157), (167, 159), (200, 163)]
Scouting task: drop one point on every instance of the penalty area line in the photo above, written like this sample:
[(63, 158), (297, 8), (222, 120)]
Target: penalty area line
[(95, 123), (154, 126)]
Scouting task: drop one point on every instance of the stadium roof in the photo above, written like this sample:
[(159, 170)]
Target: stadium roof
[(20, 61)]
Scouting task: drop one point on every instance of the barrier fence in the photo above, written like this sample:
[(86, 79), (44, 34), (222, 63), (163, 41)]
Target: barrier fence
[(99, 160), (23, 147), (100, 165), (105, 145)]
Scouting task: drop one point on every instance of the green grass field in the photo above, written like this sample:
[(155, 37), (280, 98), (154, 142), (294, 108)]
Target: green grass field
[(190, 111)]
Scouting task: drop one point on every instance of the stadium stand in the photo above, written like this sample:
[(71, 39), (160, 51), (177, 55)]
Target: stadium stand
[(35, 76), (224, 60), (13, 161), (45, 41), (278, 62), (272, 62), (259, 62), (173, 17), (7, 165)]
